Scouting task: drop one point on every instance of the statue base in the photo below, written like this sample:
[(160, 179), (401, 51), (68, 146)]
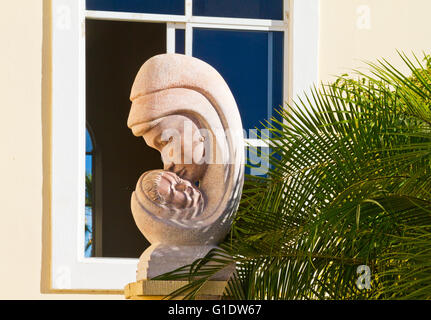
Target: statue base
[(161, 258), (159, 289)]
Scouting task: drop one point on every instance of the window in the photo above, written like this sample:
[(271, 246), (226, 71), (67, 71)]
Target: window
[(98, 46), (89, 194), (114, 51)]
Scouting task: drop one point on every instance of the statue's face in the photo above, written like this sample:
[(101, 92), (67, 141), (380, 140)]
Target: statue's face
[(182, 146)]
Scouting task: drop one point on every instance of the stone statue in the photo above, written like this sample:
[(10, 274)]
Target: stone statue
[(182, 107)]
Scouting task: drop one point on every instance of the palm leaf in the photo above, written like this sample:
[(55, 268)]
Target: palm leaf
[(348, 185)]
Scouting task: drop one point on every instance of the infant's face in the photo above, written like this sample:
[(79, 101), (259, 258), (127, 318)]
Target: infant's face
[(177, 192)]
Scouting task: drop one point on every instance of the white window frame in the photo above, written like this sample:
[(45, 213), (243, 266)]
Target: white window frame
[(69, 269)]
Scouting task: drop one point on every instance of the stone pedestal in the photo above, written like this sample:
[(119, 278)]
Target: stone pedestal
[(157, 290), (161, 258)]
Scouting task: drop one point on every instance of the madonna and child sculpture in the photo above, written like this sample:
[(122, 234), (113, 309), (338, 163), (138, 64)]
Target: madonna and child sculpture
[(183, 108)]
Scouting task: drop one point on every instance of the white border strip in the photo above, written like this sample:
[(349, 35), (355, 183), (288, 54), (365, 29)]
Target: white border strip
[(305, 45), (189, 9), (70, 270), (146, 17), (236, 27), (170, 38), (239, 21), (189, 40), (286, 52), (81, 131), (131, 16)]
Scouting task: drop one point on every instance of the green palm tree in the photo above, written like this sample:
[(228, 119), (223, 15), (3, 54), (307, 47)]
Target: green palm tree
[(348, 186)]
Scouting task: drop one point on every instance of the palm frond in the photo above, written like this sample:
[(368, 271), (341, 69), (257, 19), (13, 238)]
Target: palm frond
[(348, 185)]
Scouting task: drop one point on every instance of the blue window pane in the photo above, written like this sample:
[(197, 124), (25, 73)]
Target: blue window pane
[(255, 9), (88, 164), (251, 62), (88, 142), (141, 6), (88, 232), (88, 205), (180, 41)]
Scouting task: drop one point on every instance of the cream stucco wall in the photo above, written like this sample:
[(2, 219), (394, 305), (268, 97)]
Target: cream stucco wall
[(21, 174), (347, 37), (395, 24)]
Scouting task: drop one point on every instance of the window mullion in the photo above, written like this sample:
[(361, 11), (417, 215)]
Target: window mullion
[(170, 38)]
